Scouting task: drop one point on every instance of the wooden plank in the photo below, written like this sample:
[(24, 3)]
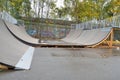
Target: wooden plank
[(3, 67), (111, 39)]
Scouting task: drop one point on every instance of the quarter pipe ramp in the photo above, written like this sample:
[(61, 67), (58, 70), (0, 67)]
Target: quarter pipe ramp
[(14, 53), (20, 33), (88, 37)]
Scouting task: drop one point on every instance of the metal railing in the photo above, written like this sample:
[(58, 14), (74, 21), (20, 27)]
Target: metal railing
[(95, 24)]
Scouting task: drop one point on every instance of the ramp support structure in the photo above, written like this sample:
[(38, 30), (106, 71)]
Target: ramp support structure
[(110, 39)]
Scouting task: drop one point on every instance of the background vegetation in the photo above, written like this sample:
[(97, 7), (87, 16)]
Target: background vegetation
[(40, 15), (77, 10)]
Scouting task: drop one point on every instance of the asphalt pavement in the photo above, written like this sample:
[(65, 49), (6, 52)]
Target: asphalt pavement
[(70, 64)]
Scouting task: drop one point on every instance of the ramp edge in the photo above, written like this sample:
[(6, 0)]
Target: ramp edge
[(26, 59)]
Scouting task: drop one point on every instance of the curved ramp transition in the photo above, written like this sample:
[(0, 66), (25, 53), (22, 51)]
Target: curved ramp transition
[(14, 53), (88, 37), (20, 33)]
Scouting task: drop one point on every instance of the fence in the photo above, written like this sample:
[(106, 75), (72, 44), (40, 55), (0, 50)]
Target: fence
[(95, 24), (109, 22), (43, 30), (47, 31)]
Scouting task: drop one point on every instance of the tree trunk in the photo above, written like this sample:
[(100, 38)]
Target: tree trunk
[(47, 15)]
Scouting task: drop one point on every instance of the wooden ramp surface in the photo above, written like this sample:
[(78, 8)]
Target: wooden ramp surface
[(88, 37), (12, 51), (75, 37), (20, 33)]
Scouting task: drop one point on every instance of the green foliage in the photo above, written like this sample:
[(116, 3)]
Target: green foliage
[(78, 10), (84, 11), (112, 8), (3, 5), (20, 7), (26, 6), (16, 8), (92, 9)]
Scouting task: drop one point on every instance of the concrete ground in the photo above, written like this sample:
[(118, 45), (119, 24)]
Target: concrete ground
[(70, 64)]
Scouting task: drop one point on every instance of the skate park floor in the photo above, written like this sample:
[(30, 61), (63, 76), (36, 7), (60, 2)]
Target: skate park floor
[(70, 64)]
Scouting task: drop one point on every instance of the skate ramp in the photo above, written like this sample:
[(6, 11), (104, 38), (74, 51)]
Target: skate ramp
[(20, 33), (13, 52), (75, 37), (88, 37)]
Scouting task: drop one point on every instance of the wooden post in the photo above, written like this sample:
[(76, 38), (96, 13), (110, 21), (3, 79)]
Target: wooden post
[(2, 67), (111, 39)]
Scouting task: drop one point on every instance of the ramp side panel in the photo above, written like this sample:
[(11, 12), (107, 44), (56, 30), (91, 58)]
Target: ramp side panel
[(11, 50), (26, 59)]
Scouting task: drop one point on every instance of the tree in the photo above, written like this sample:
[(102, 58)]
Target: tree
[(26, 6), (1, 5), (89, 9), (112, 8), (70, 5), (15, 7), (50, 5), (84, 11), (4, 4), (19, 8)]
